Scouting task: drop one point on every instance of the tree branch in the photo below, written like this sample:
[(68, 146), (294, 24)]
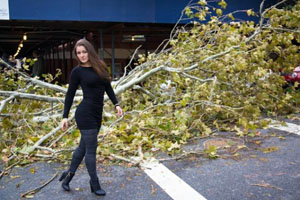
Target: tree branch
[(282, 29), (26, 77), (137, 87), (53, 132), (35, 190), (3, 102), (134, 162), (35, 96), (125, 69)]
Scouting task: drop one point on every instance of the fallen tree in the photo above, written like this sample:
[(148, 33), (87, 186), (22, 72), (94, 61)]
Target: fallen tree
[(212, 76)]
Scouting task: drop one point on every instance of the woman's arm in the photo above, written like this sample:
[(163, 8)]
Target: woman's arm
[(74, 82), (111, 94)]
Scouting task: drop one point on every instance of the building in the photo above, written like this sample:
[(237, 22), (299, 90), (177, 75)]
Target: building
[(115, 27)]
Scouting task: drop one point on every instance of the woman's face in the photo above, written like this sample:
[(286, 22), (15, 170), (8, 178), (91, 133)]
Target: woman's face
[(82, 54)]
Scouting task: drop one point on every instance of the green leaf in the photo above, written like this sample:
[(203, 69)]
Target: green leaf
[(231, 16), (249, 12), (211, 152), (174, 146), (26, 149), (223, 4), (219, 12), (202, 2)]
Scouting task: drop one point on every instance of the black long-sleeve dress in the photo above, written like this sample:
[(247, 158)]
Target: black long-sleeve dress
[(89, 113)]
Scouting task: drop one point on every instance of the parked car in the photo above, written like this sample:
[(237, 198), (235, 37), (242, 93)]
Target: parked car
[(292, 77)]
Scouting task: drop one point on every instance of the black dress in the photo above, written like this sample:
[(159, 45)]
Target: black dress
[(89, 113)]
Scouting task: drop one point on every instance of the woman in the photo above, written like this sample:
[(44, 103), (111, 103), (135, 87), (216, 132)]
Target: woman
[(91, 74)]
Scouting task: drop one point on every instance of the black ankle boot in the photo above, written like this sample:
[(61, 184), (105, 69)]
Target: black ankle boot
[(95, 188), (67, 177)]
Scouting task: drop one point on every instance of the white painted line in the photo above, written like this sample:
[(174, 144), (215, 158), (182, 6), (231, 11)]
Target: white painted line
[(292, 128), (175, 187)]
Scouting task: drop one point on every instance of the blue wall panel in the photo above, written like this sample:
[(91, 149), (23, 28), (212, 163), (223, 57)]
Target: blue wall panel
[(118, 10), (147, 11), (169, 11), (44, 9)]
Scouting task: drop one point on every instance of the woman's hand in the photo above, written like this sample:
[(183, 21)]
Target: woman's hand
[(119, 110), (64, 124)]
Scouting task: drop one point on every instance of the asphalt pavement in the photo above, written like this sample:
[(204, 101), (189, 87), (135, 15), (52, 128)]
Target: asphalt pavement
[(264, 167)]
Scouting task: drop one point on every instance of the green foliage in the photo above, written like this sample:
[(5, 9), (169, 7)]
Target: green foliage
[(49, 77), (248, 83), (18, 131), (237, 89), (211, 152)]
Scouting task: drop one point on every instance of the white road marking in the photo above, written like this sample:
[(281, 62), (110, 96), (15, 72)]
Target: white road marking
[(290, 127), (175, 187)]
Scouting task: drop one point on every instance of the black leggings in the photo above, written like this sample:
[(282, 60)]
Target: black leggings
[(87, 148)]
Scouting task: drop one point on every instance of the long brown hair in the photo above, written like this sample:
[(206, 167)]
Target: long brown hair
[(98, 65)]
